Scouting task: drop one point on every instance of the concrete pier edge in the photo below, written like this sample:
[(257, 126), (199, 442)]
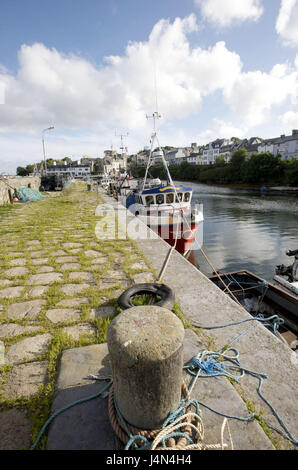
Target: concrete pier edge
[(202, 303)]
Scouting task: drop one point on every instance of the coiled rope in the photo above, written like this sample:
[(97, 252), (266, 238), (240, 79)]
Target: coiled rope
[(210, 363), (182, 430)]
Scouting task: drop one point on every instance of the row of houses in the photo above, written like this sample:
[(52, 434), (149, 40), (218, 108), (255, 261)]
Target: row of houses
[(286, 146), (112, 163), (115, 164)]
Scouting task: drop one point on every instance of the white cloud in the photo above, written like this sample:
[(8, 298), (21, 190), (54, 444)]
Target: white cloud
[(225, 13), (255, 94), (222, 130), (73, 94), (66, 90), (289, 119), (287, 22)]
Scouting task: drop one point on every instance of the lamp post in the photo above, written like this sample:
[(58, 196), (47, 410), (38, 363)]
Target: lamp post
[(44, 152)]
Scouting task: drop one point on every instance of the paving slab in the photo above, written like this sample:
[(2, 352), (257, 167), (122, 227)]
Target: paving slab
[(11, 292), (45, 269), (106, 283), (21, 310), (18, 262), (28, 349), (93, 254), (73, 302), (92, 430), (57, 315), (56, 253), (2, 354), (143, 278), (70, 266), (102, 312), (39, 261), (18, 271), (83, 329), (25, 379), (15, 430), (85, 276), (99, 260), (44, 279), (37, 254), (13, 329), (38, 291), (66, 259), (71, 245), (5, 283), (73, 289)]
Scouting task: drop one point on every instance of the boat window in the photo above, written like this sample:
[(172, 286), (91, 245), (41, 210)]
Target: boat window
[(159, 199), (149, 200), (170, 198), (186, 197), (179, 197)]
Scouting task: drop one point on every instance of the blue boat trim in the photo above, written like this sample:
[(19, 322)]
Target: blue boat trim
[(164, 190)]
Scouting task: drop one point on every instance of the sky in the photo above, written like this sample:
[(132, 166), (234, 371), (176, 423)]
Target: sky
[(94, 69)]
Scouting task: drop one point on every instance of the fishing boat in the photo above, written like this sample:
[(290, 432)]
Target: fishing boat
[(259, 296), (105, 181), (165, 208)]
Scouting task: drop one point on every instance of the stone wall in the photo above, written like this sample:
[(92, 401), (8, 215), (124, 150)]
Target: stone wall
[(16, 182)]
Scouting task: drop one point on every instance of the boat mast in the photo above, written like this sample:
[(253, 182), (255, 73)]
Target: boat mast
[(154, 137)]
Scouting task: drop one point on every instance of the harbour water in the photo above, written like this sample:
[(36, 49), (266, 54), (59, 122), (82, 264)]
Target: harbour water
[(246, 229)]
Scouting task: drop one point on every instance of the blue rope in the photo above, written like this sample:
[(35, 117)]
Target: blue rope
[(213, 368), (276, 322), (58, 412)]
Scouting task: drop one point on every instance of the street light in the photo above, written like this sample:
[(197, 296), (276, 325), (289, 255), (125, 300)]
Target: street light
[(44, 152)]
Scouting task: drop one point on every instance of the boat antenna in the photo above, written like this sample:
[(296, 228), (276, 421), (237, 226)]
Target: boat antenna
[(122, 144), (155, 87), (155, 116)]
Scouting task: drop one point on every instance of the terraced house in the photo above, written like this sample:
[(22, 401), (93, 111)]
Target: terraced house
[(287, 146)]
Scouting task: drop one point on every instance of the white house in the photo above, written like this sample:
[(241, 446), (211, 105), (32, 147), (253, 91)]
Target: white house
[(175, 156), (212, 150), (287, 146), (73, 170)]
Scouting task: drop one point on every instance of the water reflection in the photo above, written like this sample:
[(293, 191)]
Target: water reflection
[(245, 229)]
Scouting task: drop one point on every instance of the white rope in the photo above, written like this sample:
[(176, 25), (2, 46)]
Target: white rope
[(198, 429)]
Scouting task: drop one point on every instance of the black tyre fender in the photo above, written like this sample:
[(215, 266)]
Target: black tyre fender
[(167, 296)]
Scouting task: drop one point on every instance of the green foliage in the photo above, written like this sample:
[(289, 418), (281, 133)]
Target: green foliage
[(257, 169)]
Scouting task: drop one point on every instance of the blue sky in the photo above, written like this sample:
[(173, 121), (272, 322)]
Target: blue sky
[(223, 68)]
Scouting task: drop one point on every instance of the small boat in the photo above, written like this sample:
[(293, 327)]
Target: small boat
[(287, 277), (165, 208), (105, 181), (258, 296)]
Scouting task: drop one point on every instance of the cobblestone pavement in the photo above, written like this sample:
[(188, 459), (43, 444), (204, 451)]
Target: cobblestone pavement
[(59, 287)]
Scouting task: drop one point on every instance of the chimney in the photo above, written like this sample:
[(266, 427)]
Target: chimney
[(295, 132), (282, 136)]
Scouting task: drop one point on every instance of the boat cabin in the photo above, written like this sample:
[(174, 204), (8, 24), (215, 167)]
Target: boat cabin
[(162, 198)]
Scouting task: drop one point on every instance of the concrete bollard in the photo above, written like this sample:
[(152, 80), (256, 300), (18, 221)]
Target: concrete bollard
[(146, 351)]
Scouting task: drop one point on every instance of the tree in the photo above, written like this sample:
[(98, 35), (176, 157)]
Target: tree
[(237, 164), (21, 171), (220, 160)]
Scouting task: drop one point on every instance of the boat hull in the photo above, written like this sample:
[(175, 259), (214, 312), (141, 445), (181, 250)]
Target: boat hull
[(276, 300)]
